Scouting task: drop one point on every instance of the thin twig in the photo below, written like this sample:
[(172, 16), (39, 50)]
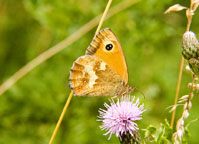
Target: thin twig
[(103, 16), (177, 136), (71, 94), (60, 46), (189, 15), (61, 117), (177, 91)]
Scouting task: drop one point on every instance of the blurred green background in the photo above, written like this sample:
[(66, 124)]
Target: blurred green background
[(31, 108)]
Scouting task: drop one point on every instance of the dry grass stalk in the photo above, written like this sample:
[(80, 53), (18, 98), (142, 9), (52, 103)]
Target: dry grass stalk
[(71, 94), (121, 6), (177, 136), (189, 13)]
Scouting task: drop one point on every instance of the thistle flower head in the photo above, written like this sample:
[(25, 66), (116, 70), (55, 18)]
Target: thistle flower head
[(120, 117), (190, 45), (190, 51)]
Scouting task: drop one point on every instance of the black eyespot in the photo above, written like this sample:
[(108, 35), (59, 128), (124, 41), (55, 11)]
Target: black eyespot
[(109, 47)]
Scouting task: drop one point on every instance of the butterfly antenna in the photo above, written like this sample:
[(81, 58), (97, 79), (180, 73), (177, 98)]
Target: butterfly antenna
[(140, 91), (114, 97)]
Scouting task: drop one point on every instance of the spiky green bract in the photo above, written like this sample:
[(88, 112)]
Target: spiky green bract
[(189, 45), (190, 50)]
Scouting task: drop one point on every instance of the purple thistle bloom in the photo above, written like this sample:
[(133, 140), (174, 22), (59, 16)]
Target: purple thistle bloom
[(119, 117)]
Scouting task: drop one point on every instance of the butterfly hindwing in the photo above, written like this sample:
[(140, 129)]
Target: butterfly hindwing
[(91, 76)]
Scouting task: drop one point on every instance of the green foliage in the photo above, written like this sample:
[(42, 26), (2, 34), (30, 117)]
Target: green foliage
[(186, 135), (162, 135), (187, 131), (31, 108)]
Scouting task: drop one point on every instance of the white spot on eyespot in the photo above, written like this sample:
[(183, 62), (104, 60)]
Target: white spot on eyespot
[(103, 66), (91, 73)]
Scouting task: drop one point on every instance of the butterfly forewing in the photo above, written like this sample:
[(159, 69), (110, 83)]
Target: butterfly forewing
[(115, 57)]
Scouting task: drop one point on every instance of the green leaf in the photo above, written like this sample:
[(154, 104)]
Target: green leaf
[(161, 135), (187, 134)]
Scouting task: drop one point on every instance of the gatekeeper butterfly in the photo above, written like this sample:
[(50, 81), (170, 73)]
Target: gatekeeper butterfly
[(102, 71)]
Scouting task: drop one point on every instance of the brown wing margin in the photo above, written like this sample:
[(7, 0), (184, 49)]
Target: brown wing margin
[(95, 44)]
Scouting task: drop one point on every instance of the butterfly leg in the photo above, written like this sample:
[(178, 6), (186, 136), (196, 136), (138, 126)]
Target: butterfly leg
[(114, 97)]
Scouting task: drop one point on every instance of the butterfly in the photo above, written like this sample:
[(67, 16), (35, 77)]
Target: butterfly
[(102, 71)]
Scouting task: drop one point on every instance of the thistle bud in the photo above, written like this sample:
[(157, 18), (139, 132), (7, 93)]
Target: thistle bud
[(190, 45)]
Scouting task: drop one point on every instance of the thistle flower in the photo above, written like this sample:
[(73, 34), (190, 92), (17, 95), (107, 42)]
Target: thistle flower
[(190, 50), (120, 117), (190, 45)]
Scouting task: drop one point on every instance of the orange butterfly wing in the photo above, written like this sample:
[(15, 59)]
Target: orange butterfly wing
[(114, 57), (91, 76), (102, 71)]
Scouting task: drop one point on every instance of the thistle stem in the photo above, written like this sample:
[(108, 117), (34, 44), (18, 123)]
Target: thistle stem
[(177, 90), (177, 136), (189, 14)]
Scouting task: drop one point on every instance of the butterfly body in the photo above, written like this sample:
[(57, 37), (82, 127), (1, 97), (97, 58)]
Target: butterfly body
[(102, 71)]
